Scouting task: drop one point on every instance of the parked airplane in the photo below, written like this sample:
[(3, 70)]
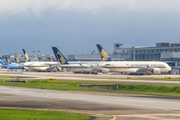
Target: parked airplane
[(10, 66), (16, 60), (40, 59), (38, 66), (50, 59), (7, 61), (138, 67), (76, 67)]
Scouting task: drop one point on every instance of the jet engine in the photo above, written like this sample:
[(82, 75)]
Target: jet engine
[(104, 70), (156, 71)]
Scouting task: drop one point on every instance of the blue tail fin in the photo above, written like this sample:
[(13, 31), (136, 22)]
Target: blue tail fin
[(59, 56), (26, 57), (3, 62), (102, 53)]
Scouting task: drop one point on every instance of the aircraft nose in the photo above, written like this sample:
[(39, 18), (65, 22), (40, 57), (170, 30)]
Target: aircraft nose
[(169, 68)]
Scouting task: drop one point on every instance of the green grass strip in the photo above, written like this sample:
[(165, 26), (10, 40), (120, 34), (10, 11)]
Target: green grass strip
[(156, 79), (73, 86), (13, 114), (150, 89), (2, 76)]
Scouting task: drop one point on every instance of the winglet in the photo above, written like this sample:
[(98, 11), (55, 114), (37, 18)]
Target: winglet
[(102, 53), (59, 56)]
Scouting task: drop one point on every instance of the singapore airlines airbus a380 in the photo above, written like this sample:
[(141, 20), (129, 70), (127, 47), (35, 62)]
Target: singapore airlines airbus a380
[(139, 67)]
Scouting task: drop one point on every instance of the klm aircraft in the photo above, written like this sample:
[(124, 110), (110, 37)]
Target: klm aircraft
[(10, 66), (77, 67), (139, 67)]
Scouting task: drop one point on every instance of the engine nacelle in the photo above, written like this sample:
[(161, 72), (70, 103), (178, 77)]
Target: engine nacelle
[(104, 70), (59, 69), (156, 71), (88, 70)]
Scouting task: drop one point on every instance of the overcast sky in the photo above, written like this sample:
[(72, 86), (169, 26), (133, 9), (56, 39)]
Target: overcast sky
[(75, 26)]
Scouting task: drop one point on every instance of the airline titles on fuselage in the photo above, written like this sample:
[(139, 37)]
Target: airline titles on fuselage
[(148, 65)]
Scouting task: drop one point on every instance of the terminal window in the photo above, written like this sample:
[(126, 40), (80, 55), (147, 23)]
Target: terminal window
[(157, 50), (178, 63), (175, 50), (165, 50)]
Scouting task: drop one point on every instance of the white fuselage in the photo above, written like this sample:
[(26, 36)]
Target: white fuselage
[(40, 65), (73, 66), (80, 67), (133, 66)]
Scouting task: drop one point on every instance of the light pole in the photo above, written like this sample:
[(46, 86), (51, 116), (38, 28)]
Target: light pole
[(39, 53), (93, 54), (33, 54)]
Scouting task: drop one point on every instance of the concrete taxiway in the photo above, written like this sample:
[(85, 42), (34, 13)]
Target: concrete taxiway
[(88, 77)]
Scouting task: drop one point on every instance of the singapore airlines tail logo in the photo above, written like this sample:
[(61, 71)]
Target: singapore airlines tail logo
[(104, 54), (26, 57), (62, 60)]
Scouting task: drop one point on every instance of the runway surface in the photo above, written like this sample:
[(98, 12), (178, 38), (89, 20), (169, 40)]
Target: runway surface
[(105, 103), (123, 106), (135, 102)]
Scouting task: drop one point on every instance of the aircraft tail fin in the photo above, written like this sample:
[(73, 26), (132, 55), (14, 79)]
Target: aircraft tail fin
[(40, 59), (26, 57), (7, 61), (16, 60), (49, 59), (59, 56), (102, 53), (3, 62)]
